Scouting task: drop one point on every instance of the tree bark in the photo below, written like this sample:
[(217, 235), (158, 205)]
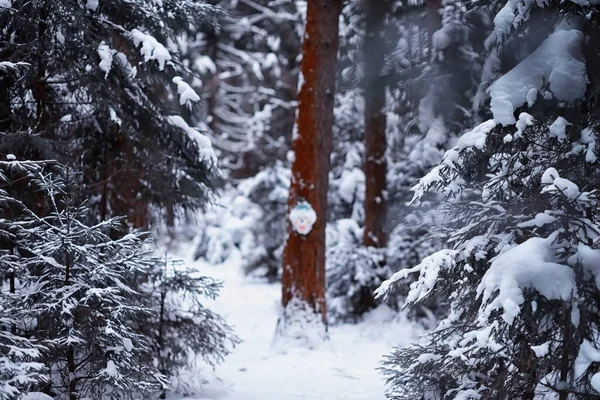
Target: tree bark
[(304, 256), (434, 19), (375, 122)]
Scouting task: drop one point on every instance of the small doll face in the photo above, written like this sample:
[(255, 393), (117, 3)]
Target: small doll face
[(303, 217)]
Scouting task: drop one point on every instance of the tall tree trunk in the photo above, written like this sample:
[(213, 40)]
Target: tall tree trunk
[(40, 89), (161, 321), (304, 255), (434, 19), (5, 110), (70, 353), (375, 122)]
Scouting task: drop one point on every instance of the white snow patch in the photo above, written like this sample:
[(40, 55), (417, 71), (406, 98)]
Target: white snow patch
[(299, 326), (111, 369), (106, 58), (428, 151), (588, 354), (524, 121), (205, 64), (595, 382), (151, 49), (60, 37), (187, 95), (531, 97), (588, 137), (202, 141), (558, 61), (539, 220), (428, 270), (476, 137), (127, 344), (541, 350), (92, 5), (589, 259), (549, 176), (424, 358), (558, 129), (341, 368), (35, 395), (300, 82), (114, 117), (350, 183), (513, 14), (555, 184), (528, 265), (441, 40)]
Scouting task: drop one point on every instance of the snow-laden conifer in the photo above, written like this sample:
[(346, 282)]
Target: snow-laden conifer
[(181, 327), (104, 81), (20, 369), (520, 268)]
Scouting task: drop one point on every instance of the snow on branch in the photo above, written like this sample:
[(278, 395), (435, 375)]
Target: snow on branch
[(187, 95), (203, 143), (151, 49), (558, 61), (106, 58), (475, 138), (10, 67), (428, 270), (531, 264)]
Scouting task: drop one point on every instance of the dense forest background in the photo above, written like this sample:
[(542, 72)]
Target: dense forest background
[(442, 152)]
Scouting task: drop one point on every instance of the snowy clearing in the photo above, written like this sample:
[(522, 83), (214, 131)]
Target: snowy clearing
[(343, 368)]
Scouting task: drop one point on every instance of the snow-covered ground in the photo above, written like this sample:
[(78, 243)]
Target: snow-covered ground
[(342, 368)]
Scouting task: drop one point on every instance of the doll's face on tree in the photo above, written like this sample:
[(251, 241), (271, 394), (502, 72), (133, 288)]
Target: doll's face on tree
[(303, 217)]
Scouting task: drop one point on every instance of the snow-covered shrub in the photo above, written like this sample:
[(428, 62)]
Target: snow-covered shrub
[(68, 287), (180, 326), (353, 272), (250, 218), (85, 315), (80, 296), (520, 272), (347, 185), (19, 366), (433, 76), (106, 93), (269, 190)]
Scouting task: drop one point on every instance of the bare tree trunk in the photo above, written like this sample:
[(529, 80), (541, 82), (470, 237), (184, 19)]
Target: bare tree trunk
[(71, 363), (434, 19), (304, 255), (567, 351), (40, 89), (375, 122)]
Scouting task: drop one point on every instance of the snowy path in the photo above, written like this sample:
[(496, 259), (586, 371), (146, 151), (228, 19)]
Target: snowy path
[(342, 368)]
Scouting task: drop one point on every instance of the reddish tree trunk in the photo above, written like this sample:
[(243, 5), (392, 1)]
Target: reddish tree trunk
[(304, 256), (375, 121)]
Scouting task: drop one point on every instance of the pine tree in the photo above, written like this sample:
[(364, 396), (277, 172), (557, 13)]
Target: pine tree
[(180, 325), (105, 83), (72, 294), (434, 74), (19, 369), (520, 270)]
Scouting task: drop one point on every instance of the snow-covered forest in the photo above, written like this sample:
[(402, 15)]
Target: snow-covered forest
[(299, 199)]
